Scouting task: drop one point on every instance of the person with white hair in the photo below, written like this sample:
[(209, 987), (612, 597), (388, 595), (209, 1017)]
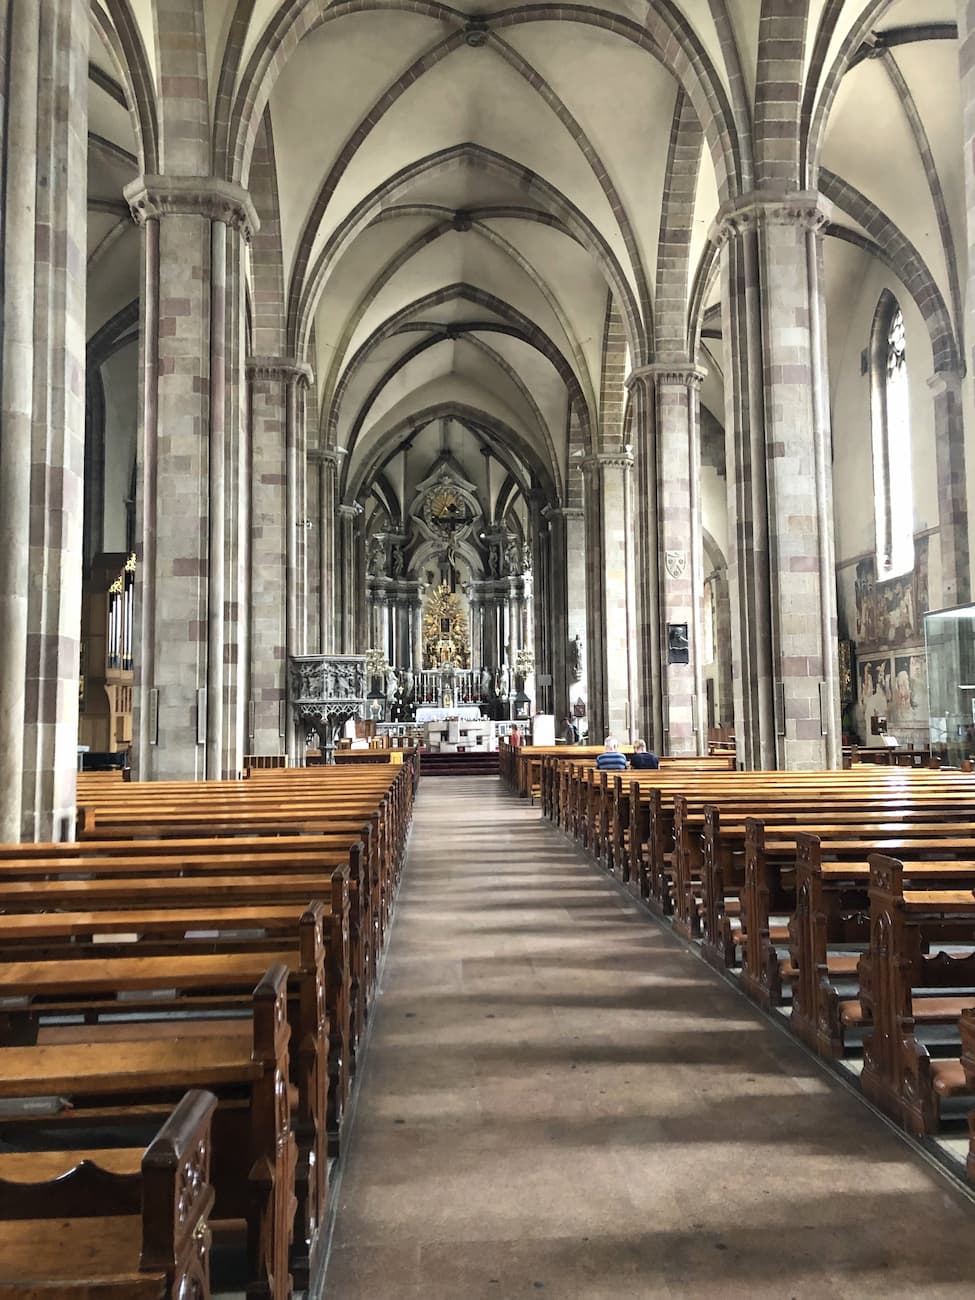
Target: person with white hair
[(644, 760), (611, 760)]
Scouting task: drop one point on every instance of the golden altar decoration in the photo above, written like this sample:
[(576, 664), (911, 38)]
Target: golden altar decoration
[(446, 642)]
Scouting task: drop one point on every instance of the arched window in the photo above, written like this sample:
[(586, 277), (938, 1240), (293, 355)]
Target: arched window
[(891, 435)]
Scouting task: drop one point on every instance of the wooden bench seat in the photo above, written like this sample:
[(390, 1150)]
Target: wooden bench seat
[(103, 1224), (924, 1011)]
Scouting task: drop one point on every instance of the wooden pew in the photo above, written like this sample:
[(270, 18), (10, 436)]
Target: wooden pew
[(787, 799), (292, 801), (129, 874), (129, 882), (147, 885), (112, 1223), (832, 912), (899, 1074), (699, 790), (966, 1031), (114, 980), (253, 1147), (752, 860)]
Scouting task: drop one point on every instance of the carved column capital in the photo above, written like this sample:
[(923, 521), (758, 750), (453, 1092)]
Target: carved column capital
[(327, 457), (679, 373), (284, 370), (807, 209), (206, 196), (597, 460), (946, 381), (563, 512)]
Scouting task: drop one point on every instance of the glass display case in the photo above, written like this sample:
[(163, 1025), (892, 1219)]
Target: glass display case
[(949, 638)]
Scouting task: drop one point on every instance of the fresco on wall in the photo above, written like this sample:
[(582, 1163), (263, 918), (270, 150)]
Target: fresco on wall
[(890, 614), (910, 694), (895, 688), (873, 691)]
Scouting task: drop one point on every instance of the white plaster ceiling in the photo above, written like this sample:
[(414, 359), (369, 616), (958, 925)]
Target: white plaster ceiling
[(112, 240), (586, 112)]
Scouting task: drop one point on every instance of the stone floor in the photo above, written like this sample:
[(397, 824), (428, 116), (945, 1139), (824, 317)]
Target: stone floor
[(561, 1099)]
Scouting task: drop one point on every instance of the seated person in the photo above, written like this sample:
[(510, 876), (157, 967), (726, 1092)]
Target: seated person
[(643, 759), (611, 760)]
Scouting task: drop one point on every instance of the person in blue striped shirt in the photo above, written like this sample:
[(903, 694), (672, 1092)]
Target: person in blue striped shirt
[(611, 760)]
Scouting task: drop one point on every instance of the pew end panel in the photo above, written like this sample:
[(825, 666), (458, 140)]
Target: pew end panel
[(271, 1178), (117, 1234)]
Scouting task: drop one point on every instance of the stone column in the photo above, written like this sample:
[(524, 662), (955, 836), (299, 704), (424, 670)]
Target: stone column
[(313, 553), (966, 60), (474, 604), (375, 630), (347, 530), (949, 432), (722, 637), (417, 614), (672, 401), (649, 630), (360, 614), (43, 154), (553, 558), (404, 630), (23, 39), (328, 579), (386, 625), (195, 230), (394, 641), (780, 508), (514, 621), (489, 624), (610, 592), (277, 539), (576, 597), (540, 618), (299, 381)]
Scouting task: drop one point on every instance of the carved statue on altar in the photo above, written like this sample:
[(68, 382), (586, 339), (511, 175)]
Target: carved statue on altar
[(376, 560), (445, 630), (512, 559), (444, 651)]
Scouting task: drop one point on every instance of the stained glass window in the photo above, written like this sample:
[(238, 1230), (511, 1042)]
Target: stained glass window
[(891, 420)]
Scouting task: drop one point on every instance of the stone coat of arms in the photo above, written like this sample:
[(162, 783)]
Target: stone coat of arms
[(676, 562)]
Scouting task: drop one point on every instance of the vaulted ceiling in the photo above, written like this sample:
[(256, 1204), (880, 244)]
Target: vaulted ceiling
[(464, 197)]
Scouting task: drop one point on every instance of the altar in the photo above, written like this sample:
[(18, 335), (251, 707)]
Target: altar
[(431, 713), (456, 734)]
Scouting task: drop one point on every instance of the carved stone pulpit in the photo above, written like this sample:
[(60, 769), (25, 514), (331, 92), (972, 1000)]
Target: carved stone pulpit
[(325, 691)]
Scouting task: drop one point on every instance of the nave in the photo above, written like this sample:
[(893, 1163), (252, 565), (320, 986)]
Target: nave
[(559, 1097)]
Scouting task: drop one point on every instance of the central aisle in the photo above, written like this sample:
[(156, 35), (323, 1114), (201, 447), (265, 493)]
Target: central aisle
[(560, 1099)]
